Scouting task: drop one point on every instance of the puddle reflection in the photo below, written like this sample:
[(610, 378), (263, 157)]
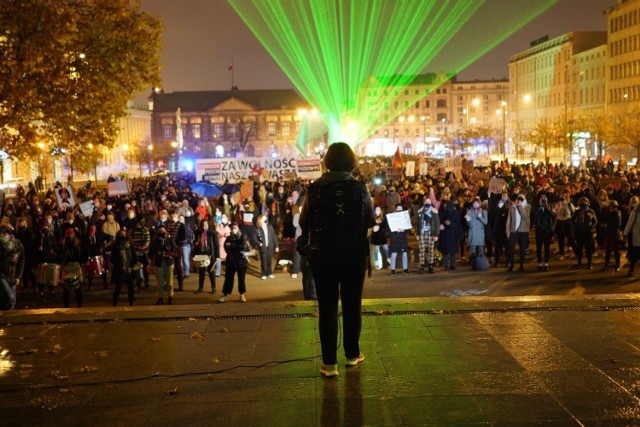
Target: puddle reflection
[(6, 364)]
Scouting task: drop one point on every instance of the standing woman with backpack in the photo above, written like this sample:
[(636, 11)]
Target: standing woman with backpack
[(335, 220)]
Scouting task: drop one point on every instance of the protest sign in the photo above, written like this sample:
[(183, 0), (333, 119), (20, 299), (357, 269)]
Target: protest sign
[(117, 188), (399, 221)]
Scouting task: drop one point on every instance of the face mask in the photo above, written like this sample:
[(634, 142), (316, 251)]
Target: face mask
[(476, 205), (187, 214), (49, 220), (378, 211), (131, 215), (427, 205), (109, 207), (500, 204), (201, 203), (4, 237), (205, 226), (225, 220), (524, 203), (163, 218)]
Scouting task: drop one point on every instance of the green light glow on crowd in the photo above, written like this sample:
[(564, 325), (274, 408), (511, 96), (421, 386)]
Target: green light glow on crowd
[(351, 58)]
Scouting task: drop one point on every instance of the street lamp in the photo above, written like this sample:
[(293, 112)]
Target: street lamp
[(502, 112)]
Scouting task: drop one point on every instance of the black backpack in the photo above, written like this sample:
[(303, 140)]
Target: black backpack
[(339, 231)]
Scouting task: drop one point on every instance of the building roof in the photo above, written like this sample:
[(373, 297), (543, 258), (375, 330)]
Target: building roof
[(273, 99)]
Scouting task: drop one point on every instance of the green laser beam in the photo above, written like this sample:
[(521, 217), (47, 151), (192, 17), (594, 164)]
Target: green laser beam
[(351, 58)]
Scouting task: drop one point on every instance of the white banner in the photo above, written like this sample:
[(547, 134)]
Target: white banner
[(117, 188), (241, 169), (399, 221), (410, 168)]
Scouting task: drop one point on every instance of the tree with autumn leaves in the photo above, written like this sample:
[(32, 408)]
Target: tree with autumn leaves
[(67, 70)]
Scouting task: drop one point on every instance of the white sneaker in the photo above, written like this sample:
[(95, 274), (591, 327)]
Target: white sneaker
[(242, 298), (264, 277), (272, 276), (355, 360), (329, 370), (223, 299), (294, 275)]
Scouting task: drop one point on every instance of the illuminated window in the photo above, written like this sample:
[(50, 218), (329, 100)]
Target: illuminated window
[(286, 129), (218, 130), (196, 128), (271, 128), (407, 149)]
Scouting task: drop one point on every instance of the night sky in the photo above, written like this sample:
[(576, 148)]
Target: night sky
[(202, 37)]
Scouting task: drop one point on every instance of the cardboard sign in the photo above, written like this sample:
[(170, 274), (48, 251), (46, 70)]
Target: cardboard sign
[(399, 221), (117, 188), (243, 168), (87, 208), (65, 198), (410, 168), (423, 169), (495, 185)]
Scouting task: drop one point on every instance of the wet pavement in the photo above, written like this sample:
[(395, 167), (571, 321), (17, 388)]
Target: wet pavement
[(551, 360)]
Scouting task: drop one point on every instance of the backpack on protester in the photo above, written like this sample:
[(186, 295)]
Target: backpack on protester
[(339, 230), (479, 262)]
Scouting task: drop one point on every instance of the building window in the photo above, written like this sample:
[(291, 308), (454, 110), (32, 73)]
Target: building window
[(271, 128), (427, 104), (251, 150), (167, 131), (441, 103), (286, 129), (196, 128), (218, 130), (442, 117), (232, 130), (407, 149)]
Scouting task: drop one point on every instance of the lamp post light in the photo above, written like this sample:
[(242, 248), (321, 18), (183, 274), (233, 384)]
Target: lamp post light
[(502, 112)]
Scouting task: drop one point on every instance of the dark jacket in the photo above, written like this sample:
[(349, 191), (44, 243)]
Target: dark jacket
[(163, 251), (122, 258), (235, 245), (11, 260), (259, 238), (210, 247), (452, 233)]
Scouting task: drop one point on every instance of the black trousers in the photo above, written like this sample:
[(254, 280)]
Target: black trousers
[(522, 240), (343, 282), (266, 262), (66, 293), (543, 242), (212, 277), (118, 290), (231, 271), (585, 241)]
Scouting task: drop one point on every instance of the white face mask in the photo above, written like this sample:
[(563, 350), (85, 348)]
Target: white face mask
[(476, 205), (132, 215), (500, 204), (378, 211), (163, 217)]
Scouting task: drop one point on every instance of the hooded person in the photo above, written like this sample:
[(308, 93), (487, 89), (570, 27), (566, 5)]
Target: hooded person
[(12, 263)]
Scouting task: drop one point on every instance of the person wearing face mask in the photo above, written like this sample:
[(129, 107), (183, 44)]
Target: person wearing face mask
[(222, 230), (265, 239), (564, 210), (477, 218), (584, 222), (450, 232), (162, 255), (393, 199), (428, 227), (110, 229), (206, 243), (202, 209), (612, 234), (379, 239), (27, 237), (12, 264), (236, 246), (499, 227), (70, 258), (544, 222), (517, 230), (122, 259), (141, 239), (177, 231), (398, 244)]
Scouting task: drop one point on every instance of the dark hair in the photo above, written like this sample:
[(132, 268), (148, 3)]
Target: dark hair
[(340, 158)]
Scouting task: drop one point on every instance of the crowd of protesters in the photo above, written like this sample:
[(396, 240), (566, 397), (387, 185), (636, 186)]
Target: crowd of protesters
[(160, 226)]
